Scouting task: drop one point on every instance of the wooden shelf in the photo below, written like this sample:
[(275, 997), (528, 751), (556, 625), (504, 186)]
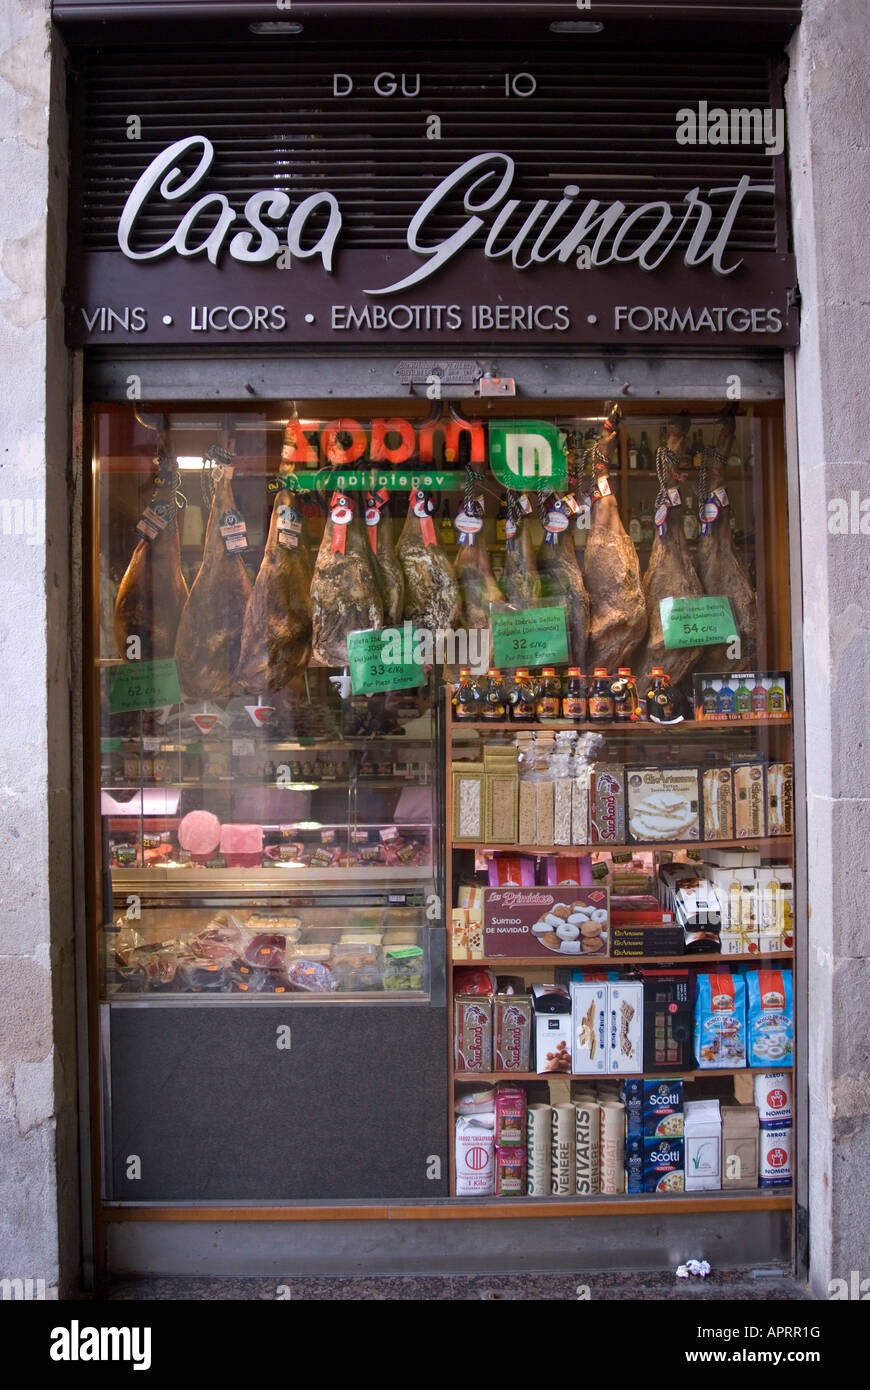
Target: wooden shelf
[(590, 962), (762, 845), (641, 726), (592, 1077)]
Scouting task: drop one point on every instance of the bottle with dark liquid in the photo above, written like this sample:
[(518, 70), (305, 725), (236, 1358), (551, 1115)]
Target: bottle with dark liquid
[(494, 706), (468, 697), (644, 454), (725, 699), (521, 698), (709, 701), (548, 696), (600, 696), (574, 703), (624, 695), (501, 522), (661, 702)]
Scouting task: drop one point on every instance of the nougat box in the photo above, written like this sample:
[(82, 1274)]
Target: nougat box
[(589, 1014), (717, 792), (750, 798), (780, 799), (513, 1031), (625, 1026), (607, 804), (472, 1045), (664, 804), (668, 1028)]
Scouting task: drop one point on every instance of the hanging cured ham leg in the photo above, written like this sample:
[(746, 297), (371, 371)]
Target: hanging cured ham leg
[(477, 582), (210, 631), (611, 570), (520, 580), (276, 637), (152, 593), (379, 530), (671, 573), (561, 576), (345, 596), (721, 567), (432, 596)]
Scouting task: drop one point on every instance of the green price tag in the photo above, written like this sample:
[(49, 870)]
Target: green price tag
[(143, 685), (382, 660), (535, 637), (110, 745), (697, 622)]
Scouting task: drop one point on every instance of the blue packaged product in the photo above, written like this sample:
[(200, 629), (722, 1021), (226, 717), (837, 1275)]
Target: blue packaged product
[(634, 1165), (663, 1165), (720, 1021), (653, 1106), (769, 1018)]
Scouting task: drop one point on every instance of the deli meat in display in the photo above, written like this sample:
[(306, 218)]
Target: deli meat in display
[(720, 565), (432, 595), (520, 580), (276, 637), (671, 573), (210, 631), (611, 572), (152, 593), (345, 596), (562, 583), (379, 530)]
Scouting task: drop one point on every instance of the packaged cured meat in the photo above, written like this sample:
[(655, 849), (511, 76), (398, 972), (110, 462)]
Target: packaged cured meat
[(242, 846), (310, 977), (611, 570), (276, 635), (209, 635), (197, 976), (218, 942), (432, 596), (199, 833), (345, 593), (152, 593), (266, 950), (242, 978)]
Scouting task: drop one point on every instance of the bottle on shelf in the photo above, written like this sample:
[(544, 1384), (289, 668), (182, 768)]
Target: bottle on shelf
[(548, 696), (501, 522), (574, 702), (776, 696), (624, 695), (635, 529), (521, 698), (691, 524), (758, 697), (647, 524), (661, 700), (632, 455), (494, 705), (600, 696), (468, 697), (725, 699), (742, 699), (446, 529), (644, 453), (709, 699), (697, 449)]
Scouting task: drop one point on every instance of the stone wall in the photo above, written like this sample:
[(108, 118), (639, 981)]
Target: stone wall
[(828, 100), (38, 1179)]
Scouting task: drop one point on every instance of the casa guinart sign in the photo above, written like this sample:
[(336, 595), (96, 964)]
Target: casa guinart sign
[(571, 270)]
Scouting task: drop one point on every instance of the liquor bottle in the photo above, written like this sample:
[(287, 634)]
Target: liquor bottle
[(521, 698), (600, 695), (494, 706), (467, 700), (697, 449), (635, 529), (574, 704), (624, 695), (446, 529), (691, 524), (758, 698), (776, 696), (725, 699), (742, 699), (647, 525), (632, 455), (501, 522), (548, 696), (644, 456), (660, 699), (709, 699)]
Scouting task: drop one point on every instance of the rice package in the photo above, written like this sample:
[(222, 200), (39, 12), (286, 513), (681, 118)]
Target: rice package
[(770, 1018), (720, 1021)]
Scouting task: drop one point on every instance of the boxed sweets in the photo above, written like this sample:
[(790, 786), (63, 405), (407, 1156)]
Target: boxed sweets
[(569, 921), (717, 793), (702, 1129), (739, 1147), (625, 1026), (513, 1029), (473, 1032), (663, 804), (749, 796), (667, 1019), (551, 1005), (769, 1018), (780, 799), (589, 1013), (606, 804)]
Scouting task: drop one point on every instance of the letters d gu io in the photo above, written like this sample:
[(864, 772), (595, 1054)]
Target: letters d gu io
[(218, 318)]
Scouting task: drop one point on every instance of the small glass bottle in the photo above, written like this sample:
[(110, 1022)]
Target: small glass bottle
[(691, 524), (446, 529), (758, 698), (467, 699), (574, 702), (742, 699), (644, 456), (622, 690), (660, 699), (494, 706), (632, 455), (776, 696), (521, 698), (725, 699), (548, 696), (647, 524), (600, 696), (501, 522), (709, 699), (635, 530)]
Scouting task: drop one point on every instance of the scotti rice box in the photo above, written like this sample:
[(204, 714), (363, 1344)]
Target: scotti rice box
[(775, 1156), (663, 1165), (475, 1155), (773, 1097)]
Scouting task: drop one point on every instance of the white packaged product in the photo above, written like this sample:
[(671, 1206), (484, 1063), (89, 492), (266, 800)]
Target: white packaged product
[(625, 1027), (475, 1155), (775, 1155), (773, 1097), (702, 1132), (589, 1014)]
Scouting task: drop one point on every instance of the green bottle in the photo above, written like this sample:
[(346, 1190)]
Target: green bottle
[(742, 699)]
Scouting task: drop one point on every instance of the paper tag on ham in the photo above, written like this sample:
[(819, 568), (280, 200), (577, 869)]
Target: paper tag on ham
[(233, 530), (572, 504), (510, 529), (422, 507), (525, 504), (260, 714), (289, 527), (721, 496), (673, 497), (660, 518), (468, 526), (556, 521), (205, 722), (603, 486), (154, 519), (340, 514)]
